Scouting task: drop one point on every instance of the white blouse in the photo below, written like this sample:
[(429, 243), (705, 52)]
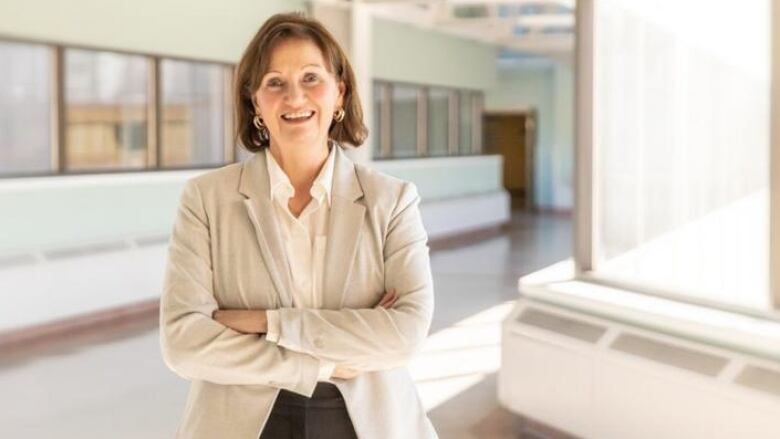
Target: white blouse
[(304, 240)]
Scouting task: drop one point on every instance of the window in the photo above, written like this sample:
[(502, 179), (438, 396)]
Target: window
[(466, 122), (413, 121), (680, 149), (105, 110), (25, 108), (404, 120), (193, 129), (80, 110), (376, 134), (438, 121)]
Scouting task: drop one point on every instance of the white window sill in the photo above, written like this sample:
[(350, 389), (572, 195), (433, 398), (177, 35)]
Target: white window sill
[(729, 330)]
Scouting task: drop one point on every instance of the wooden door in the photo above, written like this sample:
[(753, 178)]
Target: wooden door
[(512, 135)]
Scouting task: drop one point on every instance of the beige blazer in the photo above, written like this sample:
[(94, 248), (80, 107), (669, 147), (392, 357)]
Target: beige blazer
[(225, 251)]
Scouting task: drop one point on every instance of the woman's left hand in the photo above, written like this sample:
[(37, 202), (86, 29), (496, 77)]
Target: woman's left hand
[(247, 321)]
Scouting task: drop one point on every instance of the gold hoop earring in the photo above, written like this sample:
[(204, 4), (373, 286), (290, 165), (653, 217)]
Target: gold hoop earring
[(261, 128), (339, 115)]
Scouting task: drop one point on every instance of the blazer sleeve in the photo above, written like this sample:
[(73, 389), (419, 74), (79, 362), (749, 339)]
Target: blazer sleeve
[(378, 338), (197, 347)]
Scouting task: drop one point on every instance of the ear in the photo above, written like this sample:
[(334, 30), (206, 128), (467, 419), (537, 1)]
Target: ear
[(256, 107), (342, 92)]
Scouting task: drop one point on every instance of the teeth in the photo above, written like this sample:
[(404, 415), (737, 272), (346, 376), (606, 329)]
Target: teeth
[(299, 115)]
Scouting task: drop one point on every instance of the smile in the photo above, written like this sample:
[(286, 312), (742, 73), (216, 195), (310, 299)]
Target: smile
[(298, 116)]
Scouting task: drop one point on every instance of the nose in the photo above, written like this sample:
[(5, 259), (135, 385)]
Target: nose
[(294, 93)]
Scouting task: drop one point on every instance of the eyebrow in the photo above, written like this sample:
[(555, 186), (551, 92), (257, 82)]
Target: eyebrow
[(307, 65)]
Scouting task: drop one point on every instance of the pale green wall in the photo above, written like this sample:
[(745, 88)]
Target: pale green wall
[(530, 87), (61, 212), (219, 31), (403, 52), (443, 178), (549, 89), (563, 134), (208, 30)]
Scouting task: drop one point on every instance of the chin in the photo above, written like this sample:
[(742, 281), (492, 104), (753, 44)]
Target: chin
[(303, 136)]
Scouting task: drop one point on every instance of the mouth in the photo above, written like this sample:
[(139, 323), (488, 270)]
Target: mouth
[(298, 116)]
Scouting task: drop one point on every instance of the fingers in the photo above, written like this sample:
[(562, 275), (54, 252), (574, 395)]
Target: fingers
[(385, 298), (393, 296), (344, 373), (388, 300), (382, 300)]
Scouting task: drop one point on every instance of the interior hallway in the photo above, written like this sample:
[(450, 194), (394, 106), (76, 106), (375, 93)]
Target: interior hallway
[(116, 385)]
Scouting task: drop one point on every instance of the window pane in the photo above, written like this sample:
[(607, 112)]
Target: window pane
[(192, 113), (376, 136), (25, 135), (681, 146), (438, 117), (466, 120), (477, 133), (404, 121), (105, 100)]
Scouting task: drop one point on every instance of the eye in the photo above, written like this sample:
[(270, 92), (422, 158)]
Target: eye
[(310, 77), (273, 82)]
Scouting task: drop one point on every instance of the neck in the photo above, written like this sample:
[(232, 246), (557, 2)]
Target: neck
[(300, 164)]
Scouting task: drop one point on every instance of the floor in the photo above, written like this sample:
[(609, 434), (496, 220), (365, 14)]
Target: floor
[(117, 386)]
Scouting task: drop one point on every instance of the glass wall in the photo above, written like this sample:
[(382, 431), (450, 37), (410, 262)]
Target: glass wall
[(681, 147), (25, 103)]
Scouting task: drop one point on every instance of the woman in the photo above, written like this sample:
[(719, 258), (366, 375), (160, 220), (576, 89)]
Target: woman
[(298, 283)]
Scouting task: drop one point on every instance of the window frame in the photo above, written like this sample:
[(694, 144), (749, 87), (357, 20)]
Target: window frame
[(57, 122), (385, 146)]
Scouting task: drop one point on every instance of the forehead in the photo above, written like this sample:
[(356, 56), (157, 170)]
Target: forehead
[(295, 53)]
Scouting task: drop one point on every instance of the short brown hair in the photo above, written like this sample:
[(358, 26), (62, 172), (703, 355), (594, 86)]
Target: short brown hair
[(255, 63)]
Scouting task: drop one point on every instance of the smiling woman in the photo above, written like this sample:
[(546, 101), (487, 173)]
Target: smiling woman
[(307, 60), (298, 283), (298, 96)]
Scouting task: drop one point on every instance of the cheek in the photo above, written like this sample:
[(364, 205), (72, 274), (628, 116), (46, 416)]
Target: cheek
[(325, 96), (266, 101)]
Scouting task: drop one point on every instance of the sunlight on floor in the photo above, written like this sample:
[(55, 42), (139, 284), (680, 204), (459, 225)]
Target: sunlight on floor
[(459, 356)]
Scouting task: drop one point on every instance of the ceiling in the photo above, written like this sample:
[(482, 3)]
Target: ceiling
[(524, 30)]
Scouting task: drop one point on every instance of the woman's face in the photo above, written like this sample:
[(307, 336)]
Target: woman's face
[(298, 95)]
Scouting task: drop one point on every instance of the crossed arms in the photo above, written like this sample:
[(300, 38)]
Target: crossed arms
[(195, 345)]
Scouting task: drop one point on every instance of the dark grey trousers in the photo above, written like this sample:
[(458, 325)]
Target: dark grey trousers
[(323, 416)]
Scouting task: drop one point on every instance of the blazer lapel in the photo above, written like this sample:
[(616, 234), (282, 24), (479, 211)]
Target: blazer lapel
[(254, 185), (345, 222)]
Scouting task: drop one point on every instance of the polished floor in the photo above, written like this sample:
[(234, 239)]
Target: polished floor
[(116, 386)]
